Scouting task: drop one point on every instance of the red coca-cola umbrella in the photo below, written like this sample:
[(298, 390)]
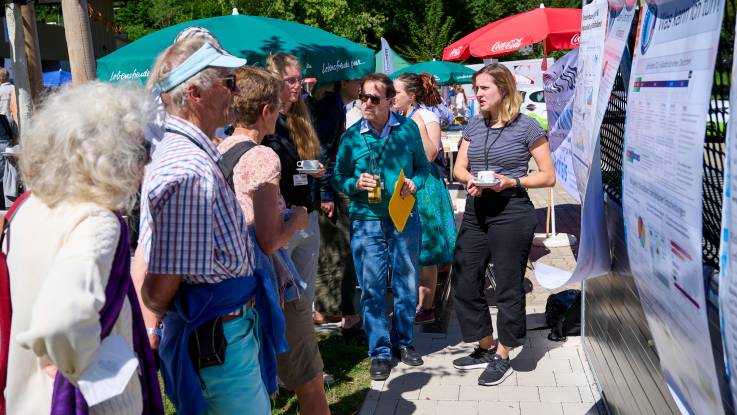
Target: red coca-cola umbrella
[(558, 28)]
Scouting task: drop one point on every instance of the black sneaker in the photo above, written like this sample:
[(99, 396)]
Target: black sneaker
[(476, 360), (495, 373)]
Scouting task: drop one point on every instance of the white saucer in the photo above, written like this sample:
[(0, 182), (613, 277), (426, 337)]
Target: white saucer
[(486, 184), (307, 171)]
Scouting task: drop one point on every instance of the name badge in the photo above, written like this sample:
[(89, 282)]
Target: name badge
[(300, 180)]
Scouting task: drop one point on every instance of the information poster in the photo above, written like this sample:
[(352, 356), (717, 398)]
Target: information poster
[(604, 31), (668, 99), (560, 82), (728, 254), (588, 80)]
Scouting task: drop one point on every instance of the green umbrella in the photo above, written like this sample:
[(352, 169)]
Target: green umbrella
[(324, 56), (446, 73), (398, 61)]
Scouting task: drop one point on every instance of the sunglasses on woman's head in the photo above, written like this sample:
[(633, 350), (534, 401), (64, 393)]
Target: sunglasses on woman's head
[(374, 99)]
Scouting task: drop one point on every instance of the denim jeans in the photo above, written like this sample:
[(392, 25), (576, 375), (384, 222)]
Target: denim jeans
[(376, 246)]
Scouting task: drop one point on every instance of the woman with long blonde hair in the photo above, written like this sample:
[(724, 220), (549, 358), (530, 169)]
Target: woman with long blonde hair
[(499, 221), (295, 140)]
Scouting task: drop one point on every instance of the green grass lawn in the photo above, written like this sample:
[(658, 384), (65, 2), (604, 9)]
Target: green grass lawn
[(344, 359)]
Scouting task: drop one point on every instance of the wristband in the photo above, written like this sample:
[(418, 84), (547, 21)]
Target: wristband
[(517, 183), (154, 330)]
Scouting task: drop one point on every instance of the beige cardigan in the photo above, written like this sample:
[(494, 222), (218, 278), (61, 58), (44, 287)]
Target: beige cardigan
[(59, 263)]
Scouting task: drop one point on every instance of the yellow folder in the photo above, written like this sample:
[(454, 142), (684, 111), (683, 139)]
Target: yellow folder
[(400, 209)]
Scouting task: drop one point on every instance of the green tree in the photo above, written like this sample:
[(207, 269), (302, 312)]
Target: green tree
[(429, 38)]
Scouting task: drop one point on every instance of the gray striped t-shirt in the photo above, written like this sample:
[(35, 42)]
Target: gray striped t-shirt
[(507, 149)]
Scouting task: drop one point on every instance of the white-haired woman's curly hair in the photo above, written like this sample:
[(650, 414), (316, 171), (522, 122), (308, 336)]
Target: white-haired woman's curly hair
[(86, 144)]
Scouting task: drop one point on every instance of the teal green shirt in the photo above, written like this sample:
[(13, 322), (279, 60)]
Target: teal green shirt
[(403, 150)]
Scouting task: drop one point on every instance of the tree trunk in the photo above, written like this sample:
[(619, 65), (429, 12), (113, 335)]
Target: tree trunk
[(18, 56), (33, 53), (79, 40)]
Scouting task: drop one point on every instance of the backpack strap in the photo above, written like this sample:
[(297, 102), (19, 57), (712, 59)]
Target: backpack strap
[(231, 157), (6, 308)]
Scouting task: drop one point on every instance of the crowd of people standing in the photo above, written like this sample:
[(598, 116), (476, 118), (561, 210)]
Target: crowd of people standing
[(245, 241)]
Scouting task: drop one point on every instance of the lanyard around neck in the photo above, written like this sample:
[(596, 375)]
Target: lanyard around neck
[(487, 148), (372, 158)]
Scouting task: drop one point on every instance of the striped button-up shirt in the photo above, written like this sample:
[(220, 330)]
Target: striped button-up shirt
[(191, 222)]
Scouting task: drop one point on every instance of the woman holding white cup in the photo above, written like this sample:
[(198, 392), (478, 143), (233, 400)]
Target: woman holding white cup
[(499, 221)]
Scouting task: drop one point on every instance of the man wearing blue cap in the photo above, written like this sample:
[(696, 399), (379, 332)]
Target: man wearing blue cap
[(200, 277)]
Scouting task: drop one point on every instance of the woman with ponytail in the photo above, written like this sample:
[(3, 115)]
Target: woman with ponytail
[(415, 94), (294, 139)]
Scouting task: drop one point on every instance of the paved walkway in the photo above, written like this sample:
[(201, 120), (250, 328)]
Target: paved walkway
[(550, 378)]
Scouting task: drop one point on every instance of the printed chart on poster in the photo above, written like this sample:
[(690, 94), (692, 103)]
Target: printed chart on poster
[(600, 54), (668, 99), (728, 253)]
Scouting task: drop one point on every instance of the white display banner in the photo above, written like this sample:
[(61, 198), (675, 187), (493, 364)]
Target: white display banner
[(728, 247), (668, 99), (604, 31), (591, 52), (560, 83), (386, 57)]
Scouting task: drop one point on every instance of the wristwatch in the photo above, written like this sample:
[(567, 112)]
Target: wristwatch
[(517, 183)]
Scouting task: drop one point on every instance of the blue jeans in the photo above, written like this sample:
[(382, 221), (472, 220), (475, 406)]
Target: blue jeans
[(235, 387), (376, 245)]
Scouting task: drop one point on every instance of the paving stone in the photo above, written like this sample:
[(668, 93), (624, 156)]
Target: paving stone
[(478, 393), (499, 408), (400, 391), (440, 393), (368, 407), (536, 378), (571, 379), (580, 409), (537, 408), (586, 394), (518, 393), (385, 407), (458, 407), (416, 408), (559, 394)]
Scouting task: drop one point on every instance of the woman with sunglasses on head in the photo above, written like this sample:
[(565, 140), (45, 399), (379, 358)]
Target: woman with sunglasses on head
[(294, 140), (415, 93), (499, 221)]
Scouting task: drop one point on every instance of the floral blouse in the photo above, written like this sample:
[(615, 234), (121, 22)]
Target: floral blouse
[(257, 167)]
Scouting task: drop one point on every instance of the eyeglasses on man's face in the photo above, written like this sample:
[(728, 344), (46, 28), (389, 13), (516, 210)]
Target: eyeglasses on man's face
[(229, 82), (373, 98), (293, 80)]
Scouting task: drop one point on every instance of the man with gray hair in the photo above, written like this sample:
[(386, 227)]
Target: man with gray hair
[(196, 245)]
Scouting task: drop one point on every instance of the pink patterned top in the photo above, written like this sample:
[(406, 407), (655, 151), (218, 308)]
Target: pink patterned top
[(258, 166)]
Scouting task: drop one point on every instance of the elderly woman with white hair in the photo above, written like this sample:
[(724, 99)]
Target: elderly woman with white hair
[(75, 314)]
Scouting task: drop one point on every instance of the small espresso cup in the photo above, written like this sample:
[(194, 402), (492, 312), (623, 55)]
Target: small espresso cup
[(486, 176), (308, 164)]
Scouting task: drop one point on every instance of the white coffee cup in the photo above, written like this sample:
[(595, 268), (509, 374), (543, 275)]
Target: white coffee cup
[(486, 176), (308, 165)]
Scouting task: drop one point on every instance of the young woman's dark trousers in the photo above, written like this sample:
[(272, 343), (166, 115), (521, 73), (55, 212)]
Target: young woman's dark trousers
[(496, 227)]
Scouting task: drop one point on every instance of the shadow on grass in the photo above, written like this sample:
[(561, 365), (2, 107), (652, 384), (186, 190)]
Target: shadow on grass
[(346, 361)]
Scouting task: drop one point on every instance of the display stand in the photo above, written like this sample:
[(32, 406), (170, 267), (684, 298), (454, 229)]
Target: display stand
[(553, 239)]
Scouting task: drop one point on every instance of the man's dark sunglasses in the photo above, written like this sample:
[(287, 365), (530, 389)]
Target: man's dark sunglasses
[(229, 82), (374, 99)]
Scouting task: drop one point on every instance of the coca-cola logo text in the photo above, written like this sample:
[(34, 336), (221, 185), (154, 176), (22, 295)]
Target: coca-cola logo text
[(455, 52), (576, 39), (508, 45)]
